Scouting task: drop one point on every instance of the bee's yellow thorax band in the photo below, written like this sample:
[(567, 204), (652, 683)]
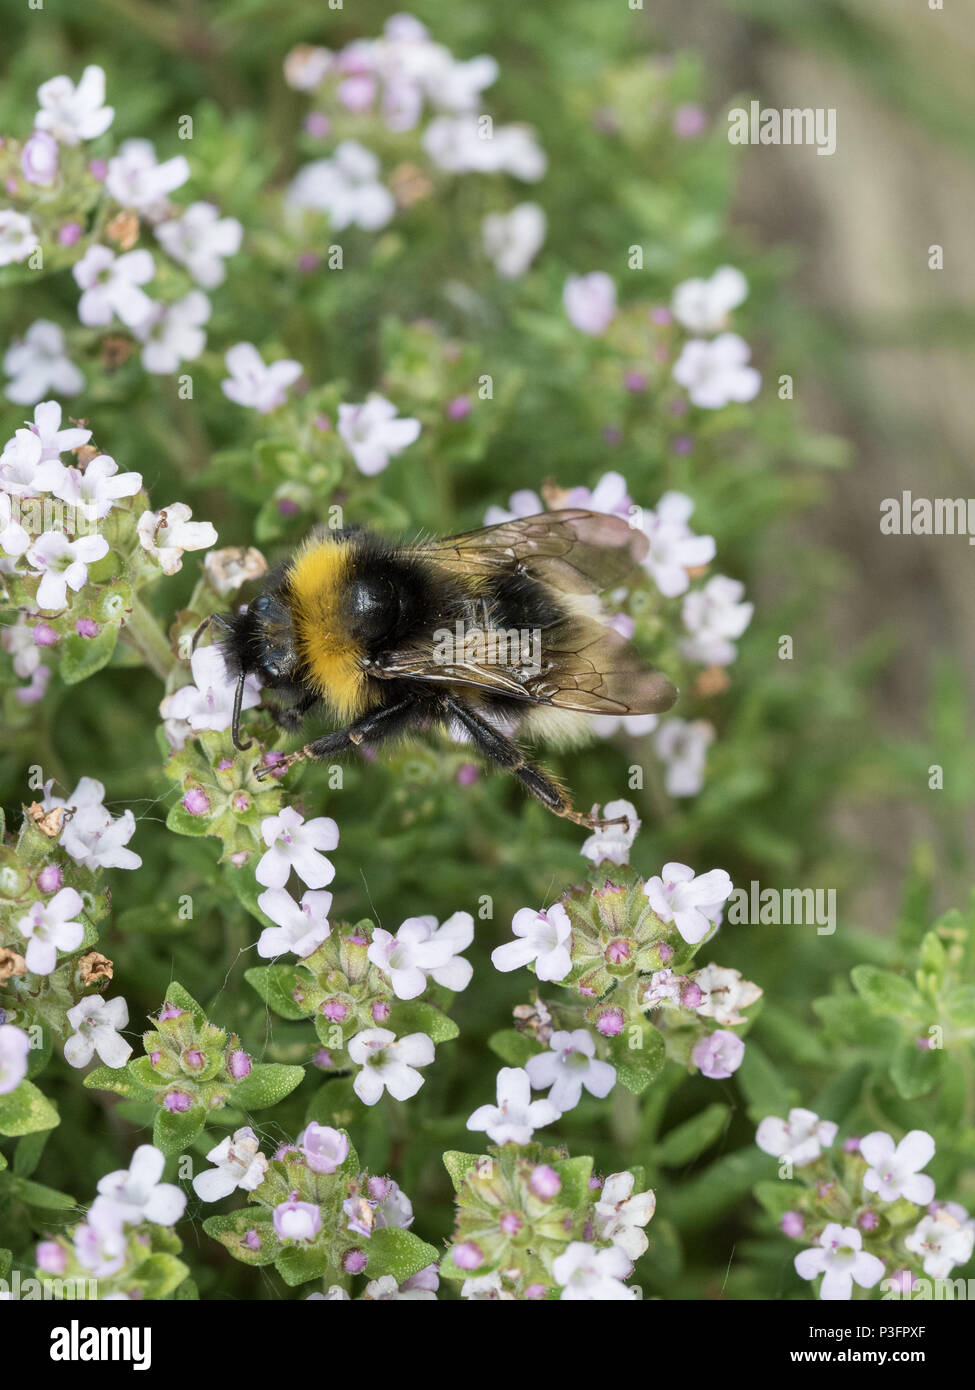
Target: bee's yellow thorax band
[(317, 580)]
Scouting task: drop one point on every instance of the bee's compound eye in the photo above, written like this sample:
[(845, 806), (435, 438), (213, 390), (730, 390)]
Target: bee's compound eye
[(272, 670), (262, 605)]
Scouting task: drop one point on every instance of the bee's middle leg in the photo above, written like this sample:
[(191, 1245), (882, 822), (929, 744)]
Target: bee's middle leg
[(539, 784), (371, 728)]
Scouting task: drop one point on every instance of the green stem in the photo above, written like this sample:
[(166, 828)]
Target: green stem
[(142, 632)]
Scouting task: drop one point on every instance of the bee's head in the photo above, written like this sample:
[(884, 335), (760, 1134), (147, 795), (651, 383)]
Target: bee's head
[(258, 640)]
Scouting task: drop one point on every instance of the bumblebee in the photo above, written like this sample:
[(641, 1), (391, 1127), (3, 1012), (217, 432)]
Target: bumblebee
[(490, 634)]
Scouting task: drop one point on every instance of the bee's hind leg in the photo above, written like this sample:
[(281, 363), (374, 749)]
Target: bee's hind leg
[(541, 785)]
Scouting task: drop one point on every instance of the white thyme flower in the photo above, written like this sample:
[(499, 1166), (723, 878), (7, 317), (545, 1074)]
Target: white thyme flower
[(513, 239), (165, 535), (17, 236), (72, 114), (38, 363), (703, 306), (347, 187), (201, 240), (802, 1137), (388, 1063), (136, 179), (97, 1021), (111, 285)]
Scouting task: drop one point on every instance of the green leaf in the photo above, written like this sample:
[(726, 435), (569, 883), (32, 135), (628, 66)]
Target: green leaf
[(176, 994), (231, 1229), (28, 1152), (181, 822), (458, 1165), (35, 1194), (846, 1018), (888, 994), (172, 1133), (83, 656), (400, 1253), (415, 1017), (298, 1263), (637, 1067), (960, 1007), (512, 1047), (695, 1204), (121, 1080), (274, 984), (915, 1070), (780, 1196), (161, 1274), (267, 1083), (575, 1174), (764, 1089), (26, 1109), (694, 1136)]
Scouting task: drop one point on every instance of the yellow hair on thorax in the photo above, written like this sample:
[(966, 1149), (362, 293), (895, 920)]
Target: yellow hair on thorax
[(317, 579)]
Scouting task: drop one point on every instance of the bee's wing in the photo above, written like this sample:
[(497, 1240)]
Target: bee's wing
[(583, 666), (575, 551)]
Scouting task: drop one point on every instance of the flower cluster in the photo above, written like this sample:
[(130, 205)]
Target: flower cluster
[(388, 85), (191, 1070), (91, 215), (52, 899), (362, 986), (533, 1223), (866, 1212), (76, 543), (315, 1215), (125, 1248), (626, 947)]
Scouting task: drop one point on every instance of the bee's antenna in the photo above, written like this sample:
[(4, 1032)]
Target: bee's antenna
[(235, 725)]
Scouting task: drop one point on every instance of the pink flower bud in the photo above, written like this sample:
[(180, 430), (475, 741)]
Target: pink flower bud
[(323, 1060), (69, 233), (194, 1058), (792, 1224), (196, 802), (98, 169), (380, 1011), (50, 879), (459, 408), (536, 1291), (467, 1255), (510, 1223), (239, 1065), (618, 951), (868, 1221), (51, 1257), (177, 1102), (45, 636), (317, 124), (545, 1182), (692, 995), (334, 1010), (252, 1240), (610, 1022), (665, 952), (353, 1262), (39, 158)]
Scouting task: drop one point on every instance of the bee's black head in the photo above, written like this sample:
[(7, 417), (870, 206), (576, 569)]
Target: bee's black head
[(258, 640)]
